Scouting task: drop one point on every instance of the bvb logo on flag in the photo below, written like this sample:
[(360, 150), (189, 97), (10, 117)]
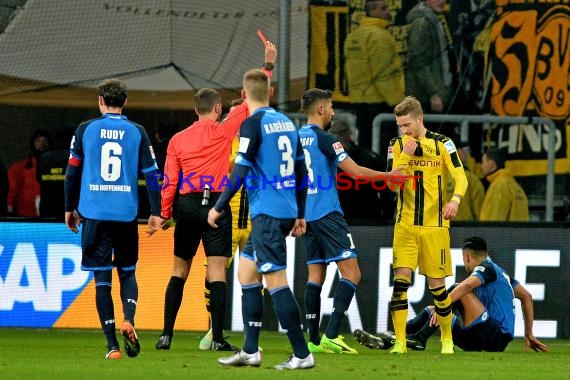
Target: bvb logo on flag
[(551, 91), (530, 55)]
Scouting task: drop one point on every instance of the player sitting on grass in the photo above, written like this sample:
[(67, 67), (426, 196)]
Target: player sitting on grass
[(484, 302)]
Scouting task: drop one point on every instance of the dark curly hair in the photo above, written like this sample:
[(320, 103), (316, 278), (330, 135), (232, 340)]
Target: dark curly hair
[(113, 91)]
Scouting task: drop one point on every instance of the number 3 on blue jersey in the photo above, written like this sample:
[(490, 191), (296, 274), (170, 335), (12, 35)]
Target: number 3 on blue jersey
[(308, 163), (288, 164)]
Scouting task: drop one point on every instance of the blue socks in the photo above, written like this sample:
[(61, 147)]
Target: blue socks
[(287, 312), (129, 293), (105, 308), (313, 311), (342, 298), (252, 311)]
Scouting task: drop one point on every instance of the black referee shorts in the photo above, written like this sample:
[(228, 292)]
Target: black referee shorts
[(192, 226)]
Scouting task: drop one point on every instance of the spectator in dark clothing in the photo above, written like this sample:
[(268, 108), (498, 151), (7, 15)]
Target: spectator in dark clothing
[(50, 172), (467, 20), (162, 135), (431, 63), (366, 202)]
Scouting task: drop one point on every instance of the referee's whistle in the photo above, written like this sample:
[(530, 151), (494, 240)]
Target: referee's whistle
[(206, 196)]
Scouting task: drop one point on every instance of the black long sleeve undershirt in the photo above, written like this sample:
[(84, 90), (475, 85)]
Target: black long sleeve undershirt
[(301, 174), (153, 189), (71, 187)]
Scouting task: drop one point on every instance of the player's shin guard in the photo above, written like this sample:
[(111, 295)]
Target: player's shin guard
[(313, 310), (129, 293), (399, 306), (105, 307), (442, 303)]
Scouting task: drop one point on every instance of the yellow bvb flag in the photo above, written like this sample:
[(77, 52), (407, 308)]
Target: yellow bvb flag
[(529, 57)]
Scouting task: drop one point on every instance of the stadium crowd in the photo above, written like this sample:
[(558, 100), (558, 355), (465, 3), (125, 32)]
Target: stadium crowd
[(441, 66)]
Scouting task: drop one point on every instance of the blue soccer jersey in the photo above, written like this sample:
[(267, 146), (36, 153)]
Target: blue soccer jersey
[(323, 152), (112, 150), (496, 293), (269, 145)]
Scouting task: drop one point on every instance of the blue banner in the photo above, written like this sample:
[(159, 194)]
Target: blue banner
[(40, 273)]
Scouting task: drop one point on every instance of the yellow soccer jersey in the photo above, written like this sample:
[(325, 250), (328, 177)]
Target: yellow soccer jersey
[(421, 200)]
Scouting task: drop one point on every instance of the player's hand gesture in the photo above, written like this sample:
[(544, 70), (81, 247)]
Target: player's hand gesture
[(213, 216), (270, 49), (72, 221), (299, 228), (531, 342), (154, 224), (398, 177), (270, 52), (433, 321), (166, 223), (410, 146), (450, 210)]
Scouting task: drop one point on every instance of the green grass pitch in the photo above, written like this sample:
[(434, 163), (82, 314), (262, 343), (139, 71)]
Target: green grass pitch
[(79, 354)]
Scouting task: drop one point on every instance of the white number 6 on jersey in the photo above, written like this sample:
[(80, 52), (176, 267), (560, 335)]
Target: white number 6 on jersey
[(111, 161)]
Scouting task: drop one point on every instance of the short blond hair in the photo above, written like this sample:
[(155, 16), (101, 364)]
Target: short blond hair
[(409, 106), (256, 85)]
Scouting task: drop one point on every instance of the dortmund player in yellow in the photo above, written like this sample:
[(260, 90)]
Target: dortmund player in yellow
[(421, 231)]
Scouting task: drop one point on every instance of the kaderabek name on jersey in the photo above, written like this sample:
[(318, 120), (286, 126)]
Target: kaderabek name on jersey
[(279, 126)]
